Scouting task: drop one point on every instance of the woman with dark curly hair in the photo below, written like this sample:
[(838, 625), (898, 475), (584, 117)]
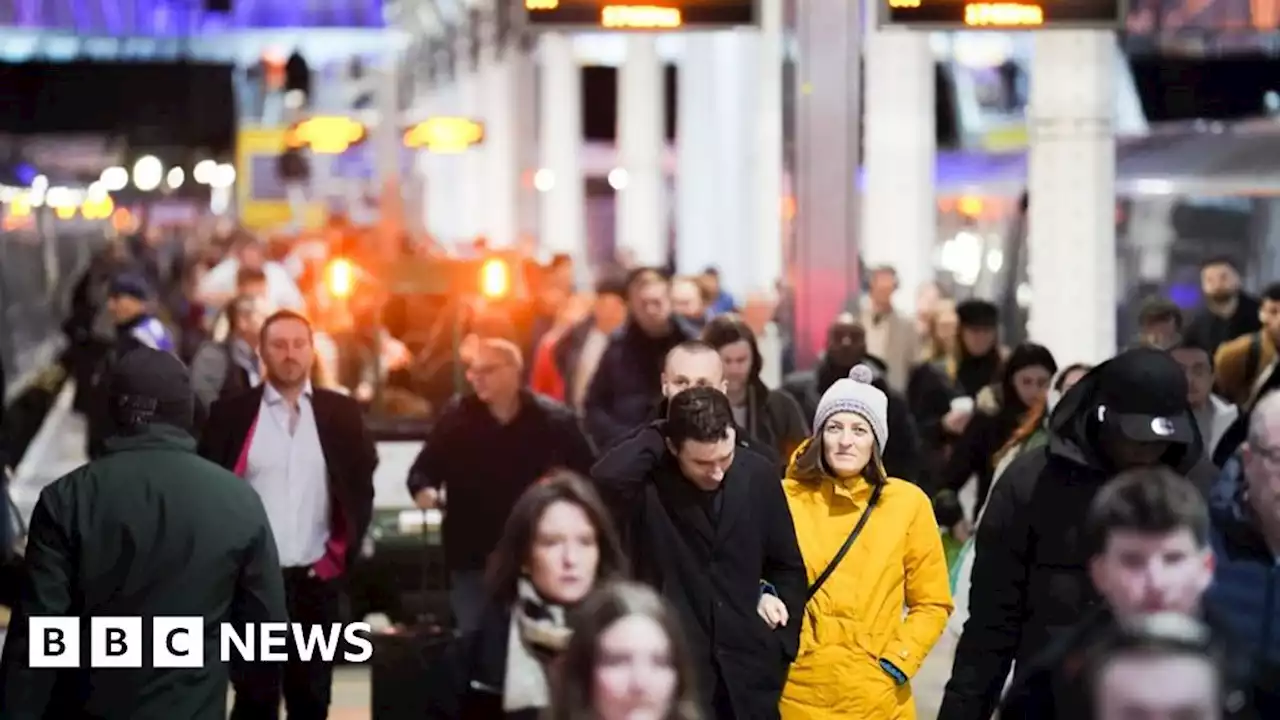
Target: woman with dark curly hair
[(559, 543), (628, 660)]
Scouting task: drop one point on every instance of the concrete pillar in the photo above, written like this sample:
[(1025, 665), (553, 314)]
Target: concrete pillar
[(528, 208), (765, 258), (444, 208), (824, 273), (470, 166), (698, 236), (561, 183), (501, 149), (733, 125), (899, 209), (642, 207), (1071, 176)]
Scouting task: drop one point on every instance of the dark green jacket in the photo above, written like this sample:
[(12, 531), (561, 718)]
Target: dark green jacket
[(149, 529)]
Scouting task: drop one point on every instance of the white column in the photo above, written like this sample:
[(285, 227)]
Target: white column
[(444, 206), (498, 73), (698, 237), (899, 209), (470, 178), (641, 210), (528, 210), (733, 126), (1071, 173), (563, 192), (766, 248)]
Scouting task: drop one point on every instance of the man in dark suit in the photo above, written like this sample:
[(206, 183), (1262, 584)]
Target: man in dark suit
[(306, 452), (151, 530)]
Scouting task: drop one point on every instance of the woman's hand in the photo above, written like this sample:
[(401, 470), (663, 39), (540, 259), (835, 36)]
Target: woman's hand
[(772, 610)]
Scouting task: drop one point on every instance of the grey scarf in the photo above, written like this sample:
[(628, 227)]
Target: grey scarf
[(538, 633)]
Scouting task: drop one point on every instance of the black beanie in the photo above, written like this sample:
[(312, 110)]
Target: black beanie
[(977, 314), (150, 386)]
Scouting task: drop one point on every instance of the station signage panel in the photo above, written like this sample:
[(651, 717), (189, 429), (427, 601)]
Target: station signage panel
[(1004, 14), (639, 15)]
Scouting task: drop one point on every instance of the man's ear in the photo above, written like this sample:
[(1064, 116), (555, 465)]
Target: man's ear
[(1095, 571), (724, 387), (663, 379), (671, 447)]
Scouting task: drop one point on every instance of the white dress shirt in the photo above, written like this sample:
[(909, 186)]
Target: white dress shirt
[(286, 468)]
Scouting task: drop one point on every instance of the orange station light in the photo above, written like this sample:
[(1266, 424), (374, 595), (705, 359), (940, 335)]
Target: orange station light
[(445, 134), (340, 278), (1003, 14), (640, 17), (326, 135), (495, 279)]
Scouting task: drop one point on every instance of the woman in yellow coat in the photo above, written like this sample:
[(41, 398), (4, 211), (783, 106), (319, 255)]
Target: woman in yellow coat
[(858, 649)]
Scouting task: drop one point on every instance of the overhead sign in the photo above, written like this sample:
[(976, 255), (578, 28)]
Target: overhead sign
[(326, 135), (639, 15), (1000, 15), (445, 134)]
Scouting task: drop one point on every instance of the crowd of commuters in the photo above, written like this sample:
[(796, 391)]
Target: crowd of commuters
[(636, 525)]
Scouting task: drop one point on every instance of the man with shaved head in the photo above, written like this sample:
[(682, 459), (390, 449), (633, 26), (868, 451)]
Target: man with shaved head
[(1245, 507), (486, 448)]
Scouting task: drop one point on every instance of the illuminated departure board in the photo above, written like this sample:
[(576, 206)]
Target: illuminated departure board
[(1004, 15), (639, 15)]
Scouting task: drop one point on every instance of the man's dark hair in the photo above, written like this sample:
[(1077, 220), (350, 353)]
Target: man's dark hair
[(560, 260), (612, 285), (1272, 292), (249, 276), (1159, 310), (700, 414), (1185, 344), (279, 316), (1150, 500)]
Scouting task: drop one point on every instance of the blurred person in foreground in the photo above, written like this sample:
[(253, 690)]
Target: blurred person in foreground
[(1155, 667), (770, 416), (1246, 541), (871, 547), (688, 302), (1149, 530), (557, 546), (628, 379), (627, 660), (196, 542), (707, 522), (1030, 575), (232, 366), (485, 449)]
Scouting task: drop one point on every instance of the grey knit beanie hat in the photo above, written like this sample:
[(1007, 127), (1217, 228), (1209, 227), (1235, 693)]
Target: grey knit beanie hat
[(857, 395)]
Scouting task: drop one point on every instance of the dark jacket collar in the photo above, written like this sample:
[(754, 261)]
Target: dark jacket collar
[(154, 436)]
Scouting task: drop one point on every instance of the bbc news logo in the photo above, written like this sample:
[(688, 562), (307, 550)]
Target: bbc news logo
[(178, 642)]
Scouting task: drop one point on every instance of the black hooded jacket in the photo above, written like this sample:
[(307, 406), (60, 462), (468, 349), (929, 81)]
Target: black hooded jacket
[(1030, 584)]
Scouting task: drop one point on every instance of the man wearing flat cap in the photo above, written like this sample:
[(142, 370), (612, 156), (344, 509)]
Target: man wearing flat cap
[(149, 529), (1029, 579)]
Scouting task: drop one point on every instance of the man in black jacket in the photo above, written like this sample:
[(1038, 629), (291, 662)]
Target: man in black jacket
[(1148, 531), (627, 381), (1030, 581), (706, 522), (485, 450), (150, 529)]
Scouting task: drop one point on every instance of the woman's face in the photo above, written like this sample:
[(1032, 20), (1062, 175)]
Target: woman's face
[(1032, 384), (736, 357), (565, 554), (635, 678), (946, 326), (846, 443)]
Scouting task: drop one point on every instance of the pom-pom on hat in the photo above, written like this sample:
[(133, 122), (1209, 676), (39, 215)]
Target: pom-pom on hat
[(857, 395)]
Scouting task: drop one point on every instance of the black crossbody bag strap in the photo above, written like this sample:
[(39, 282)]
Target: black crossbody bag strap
[(848, 543)]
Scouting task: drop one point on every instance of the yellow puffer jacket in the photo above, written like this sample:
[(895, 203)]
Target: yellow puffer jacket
[(856, 619)]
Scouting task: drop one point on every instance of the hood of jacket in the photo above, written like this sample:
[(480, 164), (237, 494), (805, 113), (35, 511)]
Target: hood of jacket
[(1073, 433)]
